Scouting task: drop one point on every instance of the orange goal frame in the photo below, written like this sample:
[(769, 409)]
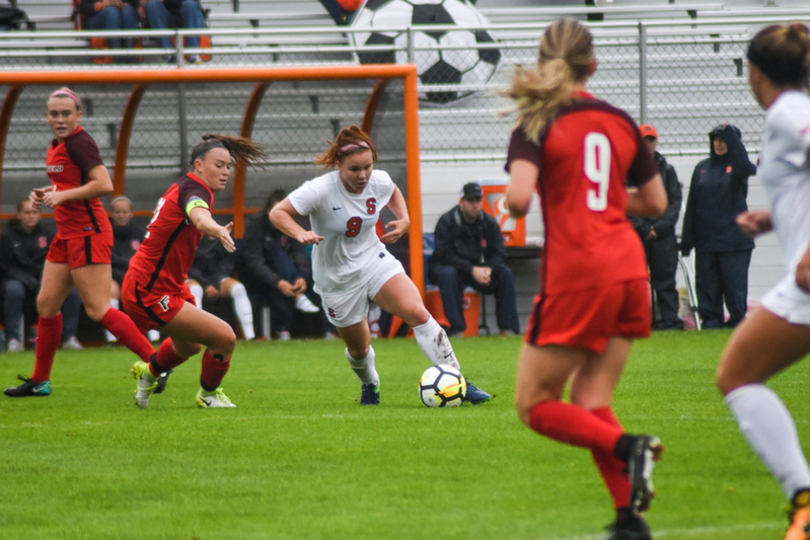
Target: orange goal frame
[(263, 77)]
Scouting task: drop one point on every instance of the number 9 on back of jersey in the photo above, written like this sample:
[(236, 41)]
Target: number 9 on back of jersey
[(442, 386)]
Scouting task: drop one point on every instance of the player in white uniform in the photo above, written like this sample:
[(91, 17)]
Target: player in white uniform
[(778, 334), (350, 263)]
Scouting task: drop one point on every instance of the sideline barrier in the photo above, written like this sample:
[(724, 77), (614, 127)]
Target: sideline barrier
[(263, 77)]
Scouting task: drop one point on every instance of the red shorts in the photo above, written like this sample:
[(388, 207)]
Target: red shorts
[(81, 251), (587, 319), (151, 311)]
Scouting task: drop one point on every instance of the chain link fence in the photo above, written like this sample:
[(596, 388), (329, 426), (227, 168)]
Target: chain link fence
[(683, 77)]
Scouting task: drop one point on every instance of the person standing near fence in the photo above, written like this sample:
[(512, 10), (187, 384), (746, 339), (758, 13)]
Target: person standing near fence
[(80, 253), (777, 334), (660, 242), (155, 293), (351, 265), (579, 154), (717, 194)]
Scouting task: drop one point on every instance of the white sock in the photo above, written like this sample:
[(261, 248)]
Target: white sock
[(435, 344), (110, 337), (770, 431), (243, 310), (197, 293), (364, 368), (153, 335)]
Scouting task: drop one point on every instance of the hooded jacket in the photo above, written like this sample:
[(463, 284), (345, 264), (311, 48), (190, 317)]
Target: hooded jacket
[(665, 224), (22, 254), (717, 196)]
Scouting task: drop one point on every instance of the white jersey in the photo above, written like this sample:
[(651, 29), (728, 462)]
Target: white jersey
[(785, 172), (347, 222)]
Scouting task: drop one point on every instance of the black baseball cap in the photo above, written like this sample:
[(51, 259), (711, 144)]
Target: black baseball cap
[(472, 191)]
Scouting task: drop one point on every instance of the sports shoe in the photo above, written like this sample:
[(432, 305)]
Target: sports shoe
[(305, 305), (475, 395), (161, 382), (284, 336), (370, 394), (799, 516), (15, 346), (213, 400), (146, 383), (644, 452), (632, 528), (29, 388), (72, 344)]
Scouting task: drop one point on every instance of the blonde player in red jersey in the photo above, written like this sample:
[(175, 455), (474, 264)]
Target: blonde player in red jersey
[(154, 291), (80, 254), (576, 152)]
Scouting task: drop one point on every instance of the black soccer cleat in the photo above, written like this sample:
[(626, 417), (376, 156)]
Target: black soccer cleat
[(475, 395), (161, 382), (632, 528), (370, 394), (29, 388), (644, 452)]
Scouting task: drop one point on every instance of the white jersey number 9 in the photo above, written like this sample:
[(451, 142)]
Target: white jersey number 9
[(597, 170)]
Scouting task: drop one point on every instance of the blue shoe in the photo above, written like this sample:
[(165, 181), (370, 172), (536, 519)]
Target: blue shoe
[(475, 395), (29, 388), (370, 394)]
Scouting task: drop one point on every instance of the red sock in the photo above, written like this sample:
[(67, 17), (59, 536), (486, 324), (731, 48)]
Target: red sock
[(122, 327), (573, 425), (214, 368), (49, 335), (612, 469), (165, 359)]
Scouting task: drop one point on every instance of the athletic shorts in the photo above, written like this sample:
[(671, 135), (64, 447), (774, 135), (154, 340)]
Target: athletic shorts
[(587, 319), (350, 308), (788, 301), (81, 251), (151, 311)]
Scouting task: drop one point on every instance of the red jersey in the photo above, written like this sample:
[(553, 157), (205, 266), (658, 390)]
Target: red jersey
[(586, 159), (67, 165), (162, 261)]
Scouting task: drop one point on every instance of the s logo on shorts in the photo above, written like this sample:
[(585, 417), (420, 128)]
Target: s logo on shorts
[(164, 303)]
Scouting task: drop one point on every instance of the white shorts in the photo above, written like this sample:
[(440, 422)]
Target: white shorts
[(346, 309), (788, 301)]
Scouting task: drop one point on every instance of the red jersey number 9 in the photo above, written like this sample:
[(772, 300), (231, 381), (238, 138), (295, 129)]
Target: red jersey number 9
[(353, 227), (597, 170)]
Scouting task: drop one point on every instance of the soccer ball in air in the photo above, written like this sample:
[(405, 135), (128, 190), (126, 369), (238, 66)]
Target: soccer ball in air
[(435, 67), (442, 386)]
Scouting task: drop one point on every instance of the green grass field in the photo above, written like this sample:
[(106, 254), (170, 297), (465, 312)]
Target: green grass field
[(300, 459)]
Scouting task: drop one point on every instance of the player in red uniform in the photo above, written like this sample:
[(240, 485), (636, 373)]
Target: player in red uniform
[(80, 252), (576, 152), (154, 291)]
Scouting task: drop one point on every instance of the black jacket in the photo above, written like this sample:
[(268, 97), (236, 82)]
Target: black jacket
[(212, 263), (261, 237), (465, 245), (126, 241), (665, 225), (716, 196), (22, 255)]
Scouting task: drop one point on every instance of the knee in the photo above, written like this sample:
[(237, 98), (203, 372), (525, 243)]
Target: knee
[(445, 275), (96, 312), (358, 352), (225, 340), (523, 407), (13, 289), (726, 380)]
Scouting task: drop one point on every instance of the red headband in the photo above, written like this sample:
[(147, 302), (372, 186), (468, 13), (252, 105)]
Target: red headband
[(65, 91)]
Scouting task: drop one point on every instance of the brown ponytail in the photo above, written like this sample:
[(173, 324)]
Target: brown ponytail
[(350, 140), (239, 147)]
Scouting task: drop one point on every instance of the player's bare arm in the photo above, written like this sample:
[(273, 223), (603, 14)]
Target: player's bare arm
[(521, 187), (402, 222), (283, 217), (204, 222), (98, 184)]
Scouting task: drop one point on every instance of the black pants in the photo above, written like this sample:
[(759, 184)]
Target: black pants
[(718, 276), (451, 288), (662, 257)]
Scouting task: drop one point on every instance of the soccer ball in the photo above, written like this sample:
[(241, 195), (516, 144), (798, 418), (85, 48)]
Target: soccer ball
[(442, 386), (435, 67)]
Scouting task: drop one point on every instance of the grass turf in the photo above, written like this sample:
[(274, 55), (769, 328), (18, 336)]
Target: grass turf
[(300, 459)]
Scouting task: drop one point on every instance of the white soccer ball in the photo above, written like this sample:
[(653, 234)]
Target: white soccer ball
[(446, 67), (442, 386)]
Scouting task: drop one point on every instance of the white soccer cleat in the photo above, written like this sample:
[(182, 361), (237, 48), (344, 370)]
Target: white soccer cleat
[(146, 384), (304, 304), (213, 400)]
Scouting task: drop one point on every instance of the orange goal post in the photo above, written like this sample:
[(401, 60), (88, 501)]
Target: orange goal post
[(141, 81)]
